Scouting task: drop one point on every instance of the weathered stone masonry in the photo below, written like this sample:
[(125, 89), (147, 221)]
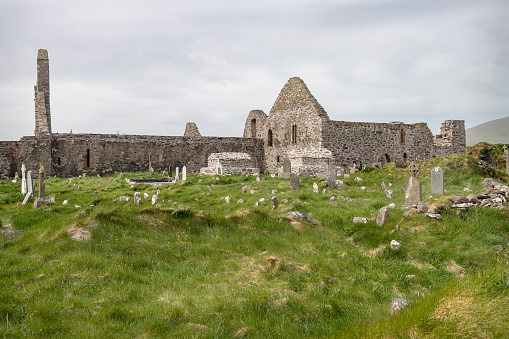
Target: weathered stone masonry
[(297, 126)]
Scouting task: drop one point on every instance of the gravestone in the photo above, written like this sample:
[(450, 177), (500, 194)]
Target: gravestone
[(437, 181), (383, 216), (41, 183), (30, 188), (332, 175), (184, 173), (170, 171), (177, 174), (294, 182), (154, 199), (287, 168), (51, 200), (388, 192), (315, 188), (137, 198), (413, 187), (274, 202), (23, 179)]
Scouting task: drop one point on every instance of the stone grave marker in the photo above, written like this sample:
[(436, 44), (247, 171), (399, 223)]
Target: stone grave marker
[(184, 173), (23, 179), (42, 186), (437, 181), (294, 182), (30, 188), (315, 188), (413, 187), (137, 198), (332, 175), (287, 168), (170, 171), (177, 174)]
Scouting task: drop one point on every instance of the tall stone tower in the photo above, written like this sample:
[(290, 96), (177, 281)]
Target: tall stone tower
[(41, 96)]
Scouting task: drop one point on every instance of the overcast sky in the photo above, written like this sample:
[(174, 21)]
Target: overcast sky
[(148, 67)]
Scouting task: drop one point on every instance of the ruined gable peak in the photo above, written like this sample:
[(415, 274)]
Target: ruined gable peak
[(295, 94)]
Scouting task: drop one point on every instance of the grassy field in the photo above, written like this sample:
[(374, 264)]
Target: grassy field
[(192, 266)]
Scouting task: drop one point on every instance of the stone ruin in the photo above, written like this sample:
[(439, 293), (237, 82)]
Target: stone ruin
[(230, 163), (297, 127)]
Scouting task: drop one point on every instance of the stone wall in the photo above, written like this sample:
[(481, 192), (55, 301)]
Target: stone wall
[(8, 159), (74, 154), (368, 143), (230, 163), (452, 138)]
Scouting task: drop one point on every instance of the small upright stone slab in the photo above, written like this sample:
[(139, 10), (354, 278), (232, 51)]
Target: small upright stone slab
[(42, 186), (184, 173), (177, 174), (30, 187), (332, 175), (413, 187), (437, 181), (383, 216), (137, 198), (315, 188), (294, 182), (23, 179), (287, 168)]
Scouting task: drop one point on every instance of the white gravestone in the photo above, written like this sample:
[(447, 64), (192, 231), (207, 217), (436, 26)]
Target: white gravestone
[(184, 173), (437, 181), (23, 179), (177, 174), (30, 187)]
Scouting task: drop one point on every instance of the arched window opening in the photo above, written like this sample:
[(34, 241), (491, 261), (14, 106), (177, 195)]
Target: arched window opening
[(277, 158), (269, 138), (294, 134), (405, 156), (402, 137), (253, 128), (387, 158)]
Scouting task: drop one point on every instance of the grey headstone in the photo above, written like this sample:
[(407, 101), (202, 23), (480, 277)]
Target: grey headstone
[(413, 191), (154, 199), (437, 181), (287, 168), (51, 199), (274, 202), (137, 198), (39, 202), (332, 175), (294, 182), (383, 216), (332, 200)]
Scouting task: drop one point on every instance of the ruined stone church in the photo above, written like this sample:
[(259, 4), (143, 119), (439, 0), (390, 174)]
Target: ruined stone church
[(297, 127)]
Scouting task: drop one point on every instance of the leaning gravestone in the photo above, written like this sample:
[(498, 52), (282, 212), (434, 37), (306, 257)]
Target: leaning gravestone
[(23, 179), (383, 216), (287, 168), (413, 187), (30, 187), (294, 182), (184, 173), (437, 181), (332, 175)]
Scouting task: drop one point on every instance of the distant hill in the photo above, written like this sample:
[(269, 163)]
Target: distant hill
[(493, 132)]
